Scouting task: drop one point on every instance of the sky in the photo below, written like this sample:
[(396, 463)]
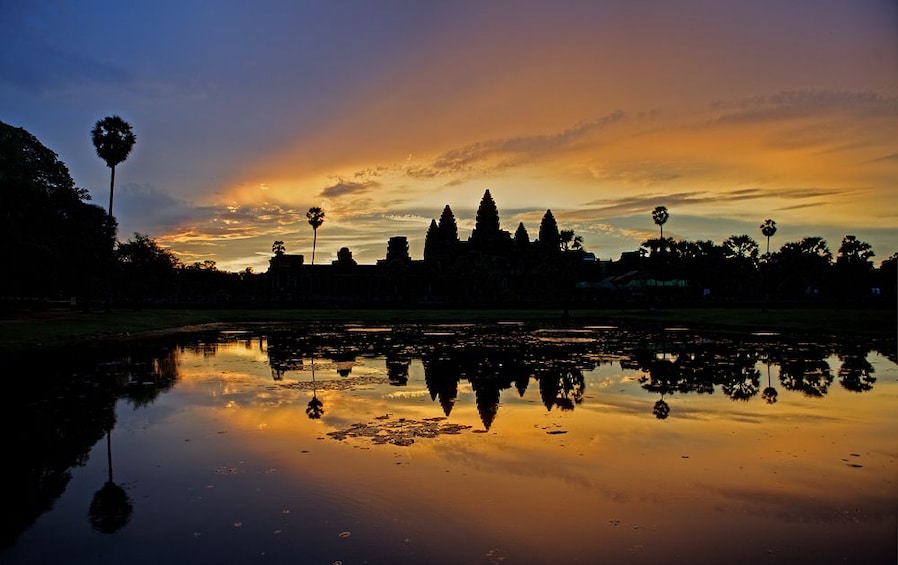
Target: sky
[(382, 112)]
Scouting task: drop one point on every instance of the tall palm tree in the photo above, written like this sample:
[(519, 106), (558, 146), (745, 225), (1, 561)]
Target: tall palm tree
[(768, 228), (113, 140), (660, 216), (316, 218)]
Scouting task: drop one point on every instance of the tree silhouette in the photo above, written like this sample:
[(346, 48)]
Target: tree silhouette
[(660, 217), (768, 229), (315, 215), (113, 139), (801, 266), (148, 271), (741, 247), (855, 251), (741, 253), (56, 243), (569, 240), (853, 268), (278, 247)]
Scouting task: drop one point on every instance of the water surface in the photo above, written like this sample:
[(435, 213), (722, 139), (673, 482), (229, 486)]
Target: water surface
[(455, 443)]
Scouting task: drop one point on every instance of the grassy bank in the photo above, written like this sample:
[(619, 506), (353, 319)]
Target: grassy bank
[(55, 328)]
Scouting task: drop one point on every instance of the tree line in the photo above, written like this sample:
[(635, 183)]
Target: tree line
[(61, 247), (64, 248), (737, 269)]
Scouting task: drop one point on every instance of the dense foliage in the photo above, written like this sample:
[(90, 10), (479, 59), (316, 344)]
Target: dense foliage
[(60, 245)]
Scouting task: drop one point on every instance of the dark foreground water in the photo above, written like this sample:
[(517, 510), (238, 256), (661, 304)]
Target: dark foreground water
[(504, 443)]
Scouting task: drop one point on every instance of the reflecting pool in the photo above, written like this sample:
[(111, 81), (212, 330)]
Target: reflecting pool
[(453, 443)]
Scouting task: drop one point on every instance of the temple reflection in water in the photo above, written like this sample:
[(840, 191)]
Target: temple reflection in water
[(638, 396)]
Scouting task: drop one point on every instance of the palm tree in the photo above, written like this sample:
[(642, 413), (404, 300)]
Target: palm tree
[(768, 228), (316, 218), (113, 140), (660, 216), (278, 247)]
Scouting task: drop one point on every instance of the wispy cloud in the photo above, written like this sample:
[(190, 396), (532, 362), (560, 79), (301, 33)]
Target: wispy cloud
[(646, 173), (349, 188), (893, 157), (804, 103), (639, 204), (497, 154)]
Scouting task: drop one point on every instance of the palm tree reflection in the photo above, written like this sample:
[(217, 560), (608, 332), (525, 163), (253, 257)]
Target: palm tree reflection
[(769, 393), (663, 377), (661, 410), (111, 507), (315, 408)]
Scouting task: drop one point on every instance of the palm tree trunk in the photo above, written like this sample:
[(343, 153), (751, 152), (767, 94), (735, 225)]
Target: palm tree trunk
[(314, 243), (111, 189), (109, 267), (109, 453)]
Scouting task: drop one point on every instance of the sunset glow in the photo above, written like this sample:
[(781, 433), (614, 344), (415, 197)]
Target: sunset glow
[(382, 113)]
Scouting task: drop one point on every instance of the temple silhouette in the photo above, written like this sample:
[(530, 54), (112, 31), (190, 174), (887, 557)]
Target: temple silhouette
[(491, 267), (496, 268)]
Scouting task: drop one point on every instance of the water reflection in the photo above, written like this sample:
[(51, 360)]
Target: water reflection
[(855, 372), (498, 358), (68, 404), (70, 408), (111, 506)]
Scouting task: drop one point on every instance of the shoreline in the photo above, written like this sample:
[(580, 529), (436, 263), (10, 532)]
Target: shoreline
[(50, 329)]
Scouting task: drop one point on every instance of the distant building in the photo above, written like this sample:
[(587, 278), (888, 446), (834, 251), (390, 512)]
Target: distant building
[(491, 267)]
